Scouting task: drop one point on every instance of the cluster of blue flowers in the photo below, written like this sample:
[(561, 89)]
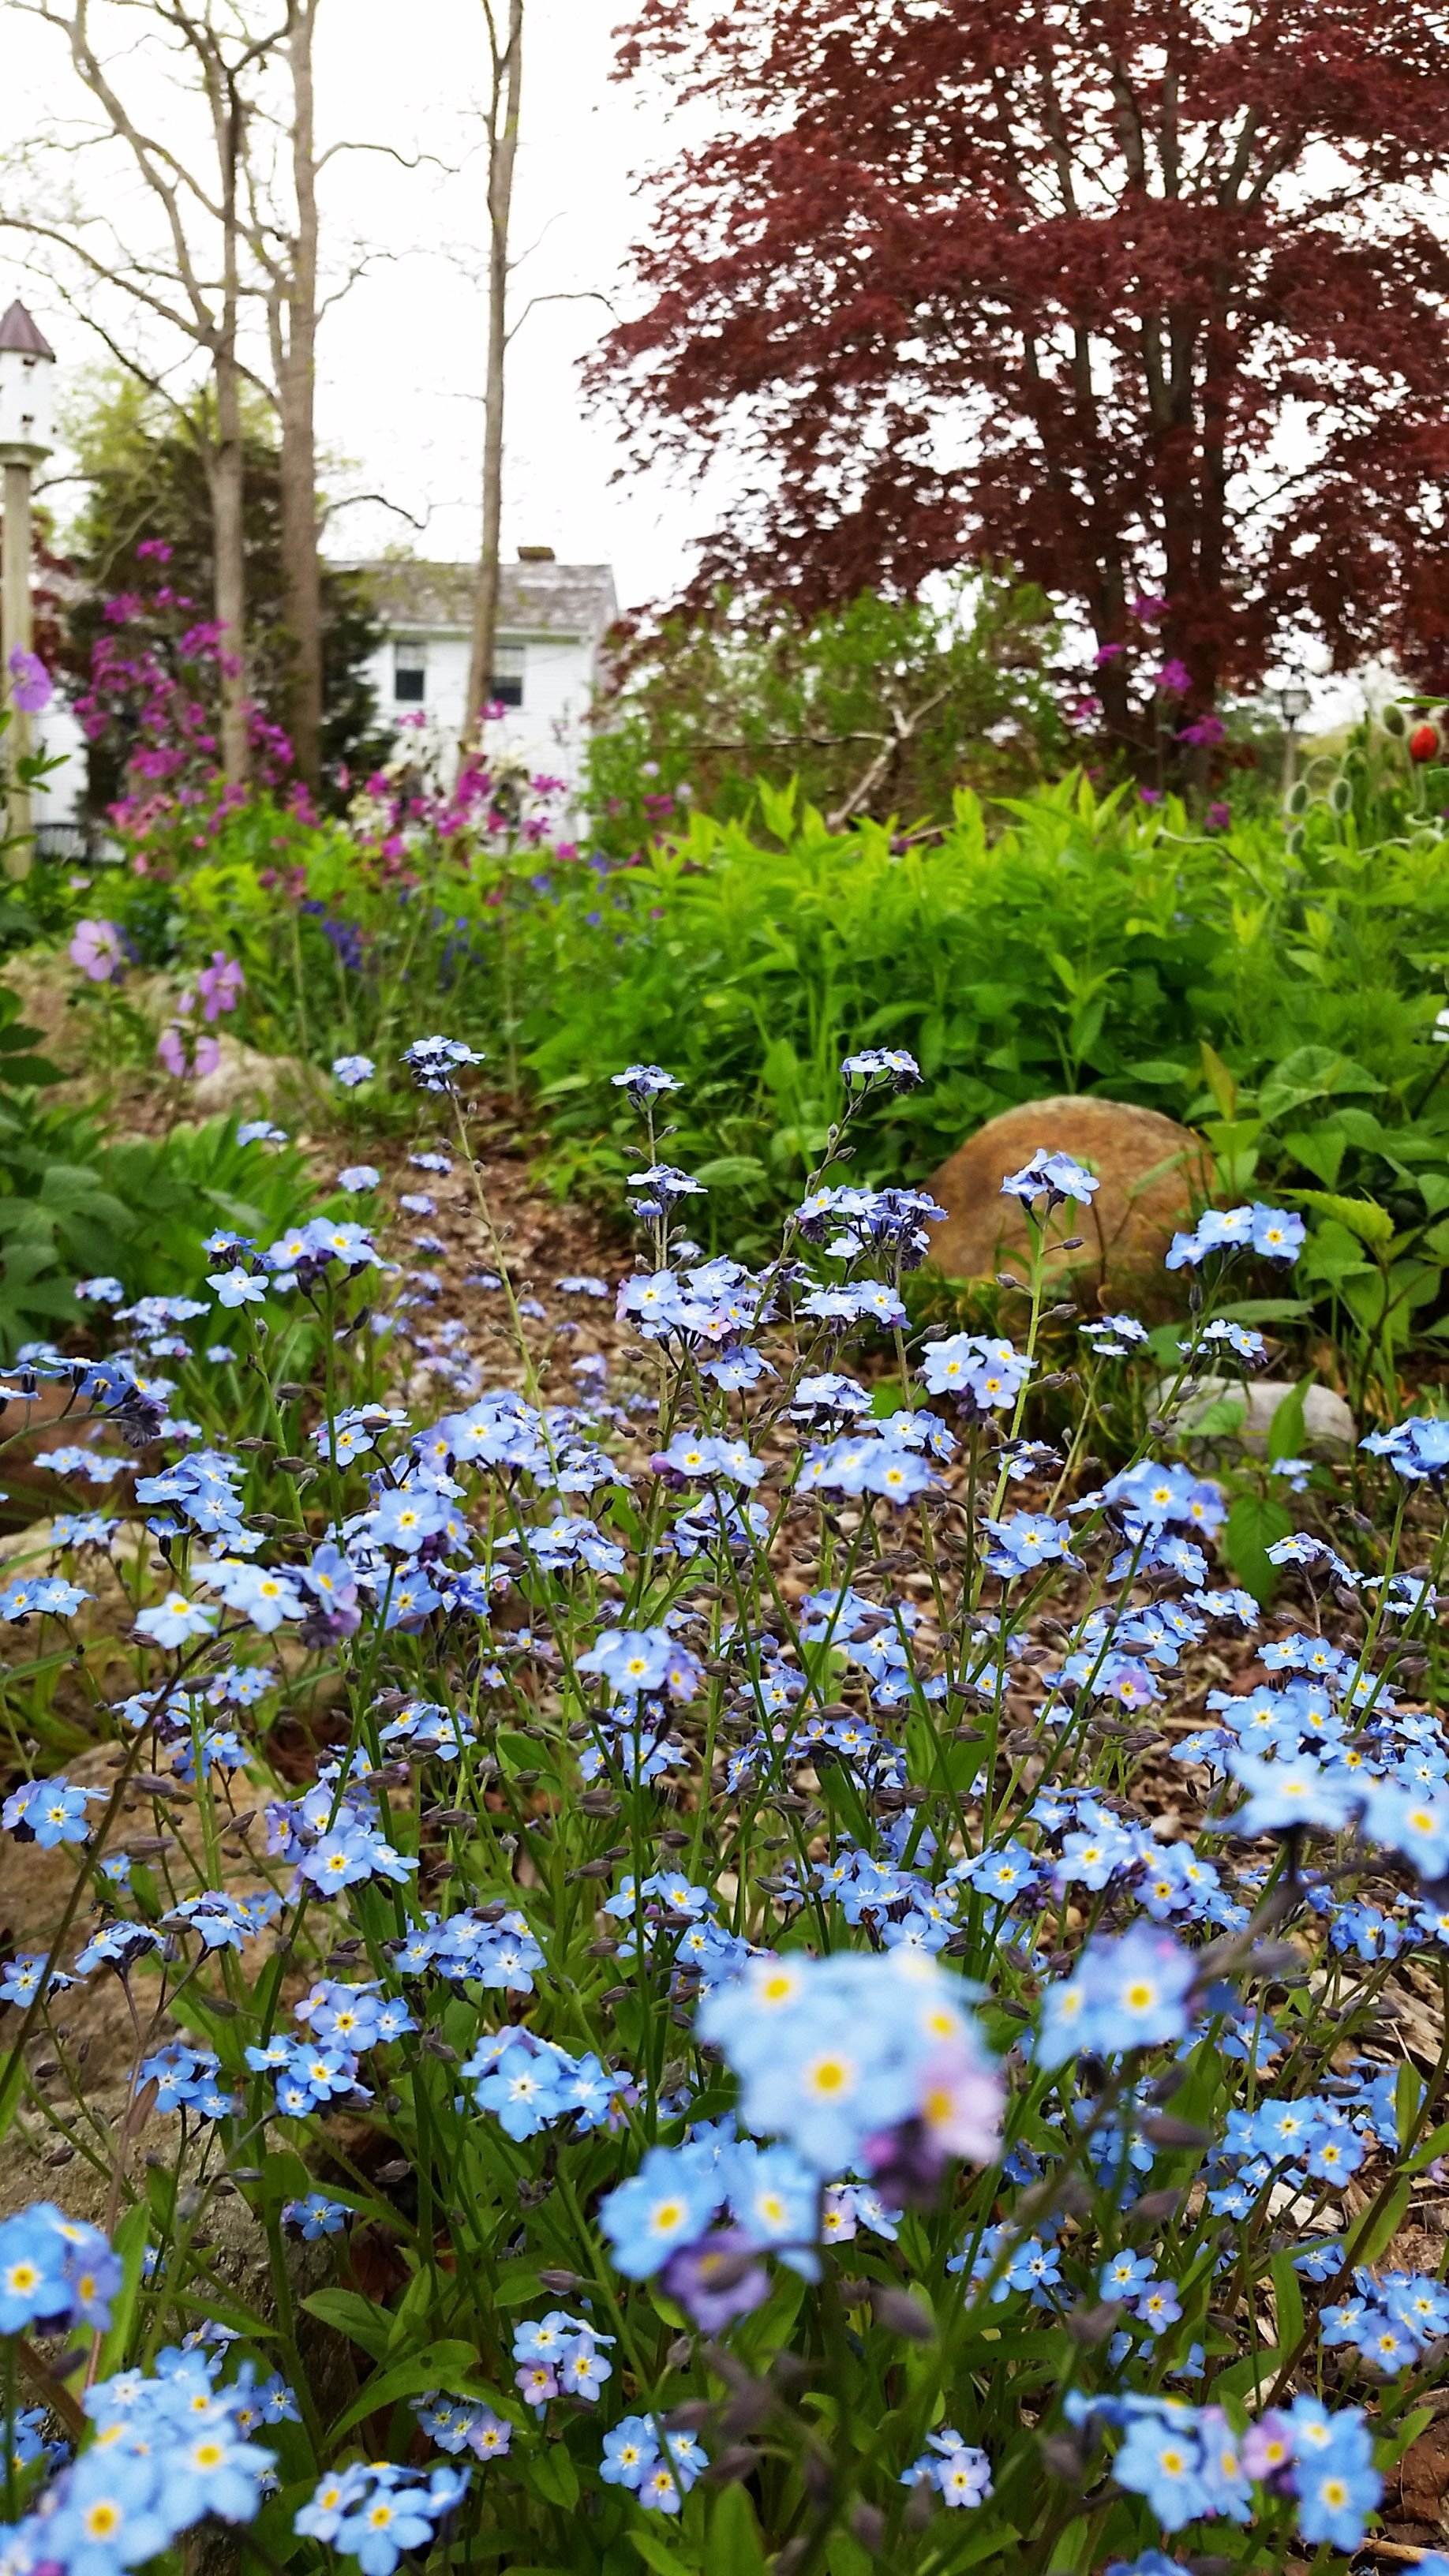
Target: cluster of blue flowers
[(743, 1812)]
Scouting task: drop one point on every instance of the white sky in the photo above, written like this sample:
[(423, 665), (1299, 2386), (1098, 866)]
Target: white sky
[(400, 360)]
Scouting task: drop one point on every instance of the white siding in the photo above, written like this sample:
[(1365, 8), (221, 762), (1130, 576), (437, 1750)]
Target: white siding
[(547, 730)]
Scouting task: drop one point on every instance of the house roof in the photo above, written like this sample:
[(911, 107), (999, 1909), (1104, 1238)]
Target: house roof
[(19, 331), (534, 598)]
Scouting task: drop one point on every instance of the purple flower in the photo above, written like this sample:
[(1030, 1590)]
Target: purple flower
[(717, 2280), (30, 684), (1219, 816), (219, 984), (97, 950), (1206, 733), (1174, 679), (186, 1055)]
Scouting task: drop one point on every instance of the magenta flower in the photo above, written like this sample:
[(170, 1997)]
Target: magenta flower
[(30, 686), (1148, 605), (1207, 732), (1218, 817), (219, 984), (1174, 679), (1106, 653), (96, 948)]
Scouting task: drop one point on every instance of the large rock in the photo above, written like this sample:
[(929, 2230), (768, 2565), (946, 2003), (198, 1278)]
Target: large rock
[(1149, 1169), (1327, 1421)]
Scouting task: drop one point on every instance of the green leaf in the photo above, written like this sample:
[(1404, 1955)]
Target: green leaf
[(1159, 1069), (656, 2553), (1385, 2225), (1253, 1523), (1312, 1073), (1288, 2298), (450, 2367), (1286, 1431), (1219, 1082), (1363, 1217), (1266, 1310), (129, 2241), (552, 2473), (1408, 2093), (735, 2546), (732, 1172), (1221, 1419), (1319, 1149), (360, 2319)]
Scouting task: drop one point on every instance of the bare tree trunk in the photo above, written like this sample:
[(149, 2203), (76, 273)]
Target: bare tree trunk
[(225, 481), (506, 81), (295, 359), (196, 287), (228, 464)]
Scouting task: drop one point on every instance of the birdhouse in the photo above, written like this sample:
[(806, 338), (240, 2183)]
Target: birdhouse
[(27, 365)]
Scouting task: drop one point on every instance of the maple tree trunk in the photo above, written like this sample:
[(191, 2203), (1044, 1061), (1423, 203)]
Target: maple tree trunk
[(502, 154), (296, 401)]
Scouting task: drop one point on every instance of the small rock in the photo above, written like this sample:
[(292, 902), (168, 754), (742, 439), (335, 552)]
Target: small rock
[(1149, 1169), (1327, 1421), (245, 1079)]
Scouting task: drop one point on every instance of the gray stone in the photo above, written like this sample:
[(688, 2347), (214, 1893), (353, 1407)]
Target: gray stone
[(1327, 1421)]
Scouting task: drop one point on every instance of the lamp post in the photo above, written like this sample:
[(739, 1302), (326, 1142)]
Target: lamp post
[(26, 361), (1294, 702)]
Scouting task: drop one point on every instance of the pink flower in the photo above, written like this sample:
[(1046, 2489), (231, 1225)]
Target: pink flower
[(220, 983), (29, 682), (1148, 606), (1207, 732), (97, 950), (1174, 679), (1106, 653)]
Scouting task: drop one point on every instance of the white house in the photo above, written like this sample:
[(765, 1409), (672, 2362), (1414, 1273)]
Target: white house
[(551, 624)]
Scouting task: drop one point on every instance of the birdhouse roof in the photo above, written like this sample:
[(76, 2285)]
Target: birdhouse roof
[(18, 331)]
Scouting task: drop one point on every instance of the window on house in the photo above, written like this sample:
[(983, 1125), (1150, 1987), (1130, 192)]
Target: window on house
[(409, 674), (508, 661)]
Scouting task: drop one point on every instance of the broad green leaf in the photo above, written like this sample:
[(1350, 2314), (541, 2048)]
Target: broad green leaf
[(1220, 1082), (449, 2367), (1384, 2225), (1254, 1521), (656, 2553), (732, 1172), (360, 2319), (1286, 1430), (735, 2547), (1364, 1217), (552, 2472)]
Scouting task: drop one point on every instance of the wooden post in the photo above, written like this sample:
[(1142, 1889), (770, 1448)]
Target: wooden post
[(15, 633)]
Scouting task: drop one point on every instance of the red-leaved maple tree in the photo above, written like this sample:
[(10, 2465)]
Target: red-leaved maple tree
[(1141, 296)]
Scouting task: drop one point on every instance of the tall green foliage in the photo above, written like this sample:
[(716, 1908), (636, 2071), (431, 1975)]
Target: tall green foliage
[(1090, 945), (883, 706)]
